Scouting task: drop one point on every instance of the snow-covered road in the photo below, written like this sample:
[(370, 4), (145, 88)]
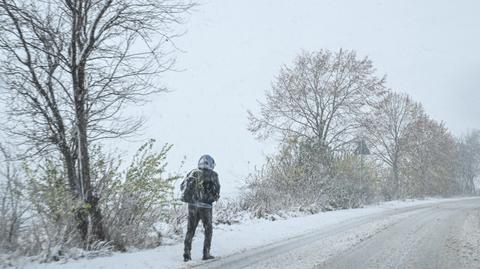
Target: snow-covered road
[(436, 235), (443, 236), (432, 233)]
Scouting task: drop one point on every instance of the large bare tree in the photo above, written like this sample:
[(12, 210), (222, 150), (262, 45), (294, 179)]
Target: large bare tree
[(387, 127), (319, 98), (71, 66)]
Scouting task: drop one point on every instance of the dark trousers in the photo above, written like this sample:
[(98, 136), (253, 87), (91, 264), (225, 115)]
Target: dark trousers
[(195, 214)]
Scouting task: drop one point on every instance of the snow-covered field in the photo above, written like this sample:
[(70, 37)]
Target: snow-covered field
[(238, 238)]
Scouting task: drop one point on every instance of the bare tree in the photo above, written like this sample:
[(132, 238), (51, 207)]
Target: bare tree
[(387, 128), (319, 98), (71, 66), (468, 160)]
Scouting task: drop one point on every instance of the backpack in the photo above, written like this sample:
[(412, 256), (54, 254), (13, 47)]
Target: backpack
[(188, 189), (198, 186)]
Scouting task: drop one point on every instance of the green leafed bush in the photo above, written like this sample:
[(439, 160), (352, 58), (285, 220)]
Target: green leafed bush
[(134, 200)]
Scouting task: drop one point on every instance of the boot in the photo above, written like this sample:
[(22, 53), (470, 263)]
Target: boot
[(207, 256), (187, 257)]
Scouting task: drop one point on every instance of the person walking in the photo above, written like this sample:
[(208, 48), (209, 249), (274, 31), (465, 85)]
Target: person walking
[(200, 189)]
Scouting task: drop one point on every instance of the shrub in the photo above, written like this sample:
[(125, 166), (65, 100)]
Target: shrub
[(133, 201)]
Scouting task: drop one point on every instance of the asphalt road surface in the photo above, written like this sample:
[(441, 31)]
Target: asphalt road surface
[(440, 235)]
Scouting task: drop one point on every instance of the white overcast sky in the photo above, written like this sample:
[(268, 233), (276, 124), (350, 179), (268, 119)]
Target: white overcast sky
[(233, 50)]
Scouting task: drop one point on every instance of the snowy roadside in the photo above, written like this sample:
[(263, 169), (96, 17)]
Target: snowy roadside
[(229, 239), (466, 243)]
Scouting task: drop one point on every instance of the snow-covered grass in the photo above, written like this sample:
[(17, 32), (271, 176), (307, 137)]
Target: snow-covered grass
[(229, 239)]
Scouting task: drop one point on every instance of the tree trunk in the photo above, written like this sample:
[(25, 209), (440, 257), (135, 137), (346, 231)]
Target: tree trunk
[(89, 216), (69, 164), (396, 180)]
